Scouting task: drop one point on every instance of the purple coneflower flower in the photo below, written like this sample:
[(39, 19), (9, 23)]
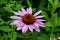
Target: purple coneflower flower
[(25, 20)]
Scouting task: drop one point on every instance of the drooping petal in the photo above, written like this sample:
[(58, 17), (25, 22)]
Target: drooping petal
[(36, 25), (40, 20), (24, 29), (19, 28), (15, 22), (15, 17), (41, 25), (21, 24), (37, 13), (31, 28), (29, 10), (24, 11), (39, 16), (38, 30)]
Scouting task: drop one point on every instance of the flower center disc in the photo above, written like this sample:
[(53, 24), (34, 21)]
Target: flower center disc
[(28, 19)]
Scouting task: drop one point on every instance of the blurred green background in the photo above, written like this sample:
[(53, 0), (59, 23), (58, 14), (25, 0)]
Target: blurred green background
[(50, 9)]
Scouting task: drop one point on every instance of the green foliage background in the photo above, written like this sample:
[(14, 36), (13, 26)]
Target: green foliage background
[(50, 9)]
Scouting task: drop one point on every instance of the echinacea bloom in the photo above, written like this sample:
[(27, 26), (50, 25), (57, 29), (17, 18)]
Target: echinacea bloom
[(25, 20)]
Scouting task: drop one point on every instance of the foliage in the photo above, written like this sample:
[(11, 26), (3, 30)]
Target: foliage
[(50, 9)]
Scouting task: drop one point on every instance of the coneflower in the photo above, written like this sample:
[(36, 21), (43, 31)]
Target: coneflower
[(25, 20)]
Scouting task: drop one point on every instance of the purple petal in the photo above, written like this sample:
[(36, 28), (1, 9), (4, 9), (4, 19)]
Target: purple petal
[(15, 17), (24, 29), (21, 24), (40, 20), (39, 16), (36, 25), (24, 11), (37, 13), (18, 13), (15, 22), (41, 25), (31, 28), (38, 30), (29, 10), (19, 28)]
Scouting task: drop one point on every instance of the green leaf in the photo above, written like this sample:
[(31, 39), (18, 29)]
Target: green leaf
[(43, 37), (3, 1), (17, 6), (8, 9), (58, 5), (54, 20), (34, 36), (51, 1), (34, 10), (45, 14), (48, 24), (5, 28), (12, 35), (52, 36), (56, 2), (58, 22), (9, 5)]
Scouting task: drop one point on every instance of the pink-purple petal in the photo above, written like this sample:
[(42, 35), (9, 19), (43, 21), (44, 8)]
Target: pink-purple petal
[(39, 16), (24, 11), (37, 13), (19, 28), (18, 13), (15, 22), (24, 29), (36, 25), (38, 30), (41, 24), (15, 17), (30, 10), (21, 24), (31, 28), (40, 20)]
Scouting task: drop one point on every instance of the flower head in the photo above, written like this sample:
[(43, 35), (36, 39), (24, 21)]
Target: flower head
[(25, 20)]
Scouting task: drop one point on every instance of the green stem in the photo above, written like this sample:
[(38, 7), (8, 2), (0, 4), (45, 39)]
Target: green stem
[(29, 4)]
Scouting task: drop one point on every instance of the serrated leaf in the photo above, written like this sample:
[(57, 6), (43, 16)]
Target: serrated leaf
[(45, 14), (12, 35), (8, 9), (17, 6)]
